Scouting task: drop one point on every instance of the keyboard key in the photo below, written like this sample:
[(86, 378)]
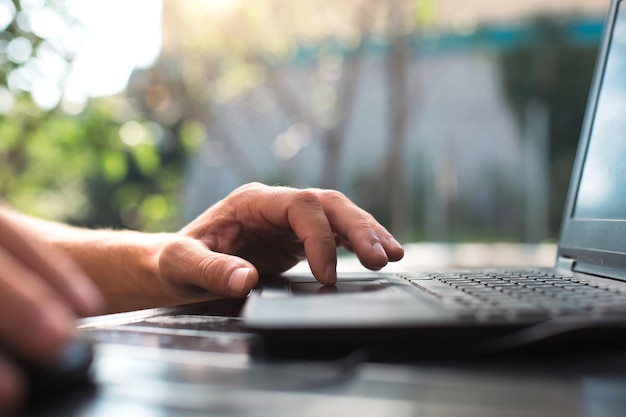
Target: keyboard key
[(517, 295)]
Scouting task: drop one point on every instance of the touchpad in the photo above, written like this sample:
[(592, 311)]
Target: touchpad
[(349, 287)]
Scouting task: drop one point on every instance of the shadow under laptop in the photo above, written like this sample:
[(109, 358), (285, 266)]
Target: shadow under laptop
[(545, 341)]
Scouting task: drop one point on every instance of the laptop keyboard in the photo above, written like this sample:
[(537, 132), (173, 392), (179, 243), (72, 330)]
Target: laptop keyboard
[(522, 294)]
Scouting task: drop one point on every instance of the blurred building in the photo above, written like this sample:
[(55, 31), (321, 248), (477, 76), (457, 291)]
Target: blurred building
[(467, 157), (454, 14)]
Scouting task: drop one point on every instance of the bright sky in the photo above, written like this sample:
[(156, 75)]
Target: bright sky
[(117, 36), (120, 35)]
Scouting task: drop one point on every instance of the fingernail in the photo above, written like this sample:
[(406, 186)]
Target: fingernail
[(330, 273), (238, 280), (379, 250), (394, 242), (396, 250)]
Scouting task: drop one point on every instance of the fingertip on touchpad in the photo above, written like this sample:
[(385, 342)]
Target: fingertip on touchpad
[(341, 287)]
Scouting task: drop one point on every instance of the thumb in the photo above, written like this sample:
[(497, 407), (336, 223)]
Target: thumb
[(186, 265)]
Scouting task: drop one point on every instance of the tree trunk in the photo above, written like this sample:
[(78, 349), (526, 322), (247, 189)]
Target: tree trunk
[(395, 169)]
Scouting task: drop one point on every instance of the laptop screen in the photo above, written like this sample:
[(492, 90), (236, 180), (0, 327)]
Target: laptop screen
[(602, 188), (593, 234)]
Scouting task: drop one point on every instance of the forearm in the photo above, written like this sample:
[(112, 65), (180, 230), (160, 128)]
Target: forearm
[(123, 264)]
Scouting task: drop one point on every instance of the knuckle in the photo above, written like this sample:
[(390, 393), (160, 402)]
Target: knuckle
[(335, 195), (214, 272), (364, 223), (255, 184), (338, 200), (328, 241), (170, 252), (251, 186), (307, 196), (208, 266), (360, 227)]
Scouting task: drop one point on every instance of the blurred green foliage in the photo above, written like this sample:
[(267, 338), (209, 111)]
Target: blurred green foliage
[(103, 166), (77, 168)]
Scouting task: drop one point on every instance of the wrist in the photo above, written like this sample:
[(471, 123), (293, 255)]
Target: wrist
[(124, 266)]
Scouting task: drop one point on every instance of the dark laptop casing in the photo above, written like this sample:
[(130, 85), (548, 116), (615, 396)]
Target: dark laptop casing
[(295, 315)]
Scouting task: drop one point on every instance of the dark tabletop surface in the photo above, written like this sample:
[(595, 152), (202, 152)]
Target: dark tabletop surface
[(196, 361), (199, 360)]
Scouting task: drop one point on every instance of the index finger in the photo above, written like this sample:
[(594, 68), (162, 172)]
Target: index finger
[(302, 212), (306, 217), (370, 241), (314, 215)]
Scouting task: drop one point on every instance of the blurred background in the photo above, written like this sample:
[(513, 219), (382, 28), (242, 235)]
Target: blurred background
[(449, 120)]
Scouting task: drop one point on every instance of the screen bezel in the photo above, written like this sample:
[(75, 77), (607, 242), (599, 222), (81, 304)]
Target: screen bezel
[(595, 244)]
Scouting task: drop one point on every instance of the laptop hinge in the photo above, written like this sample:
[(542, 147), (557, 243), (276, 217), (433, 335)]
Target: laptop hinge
[(565, 263)]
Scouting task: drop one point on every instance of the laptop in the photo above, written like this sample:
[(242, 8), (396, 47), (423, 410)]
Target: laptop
[(581, 301)]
